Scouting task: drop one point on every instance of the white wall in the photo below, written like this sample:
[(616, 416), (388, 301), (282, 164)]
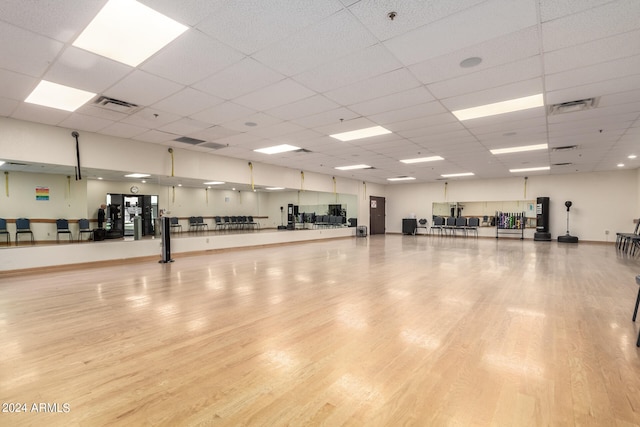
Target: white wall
[(67, 199), (601, 200)]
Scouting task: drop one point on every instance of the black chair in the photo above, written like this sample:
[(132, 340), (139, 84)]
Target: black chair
[(218, 222), (450, 224), (23, 226), (193, 223), (62, 227), (461, 225), (175, 224), (252, 223), (438, 224), (624, 241), (422, 223), (3, 230), (473, 224), (635, 311), (200, 224), (84, 228)]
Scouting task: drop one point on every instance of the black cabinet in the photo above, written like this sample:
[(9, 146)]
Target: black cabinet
[(409, 225)]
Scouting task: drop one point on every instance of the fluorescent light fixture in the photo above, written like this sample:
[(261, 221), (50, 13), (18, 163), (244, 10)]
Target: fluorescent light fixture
[(137, 175), (503, 107), (620, 165), (58, 96), (631, 156), (214, 183), (274, 188), (453, 175), (1, 162), (128, 32), (277, 149), (360, 133), (519, 149), (541, 168), (401, 178), (352, 167), (422, 159)]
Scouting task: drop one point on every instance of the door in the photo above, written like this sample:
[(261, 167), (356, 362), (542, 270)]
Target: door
[(376, 215), (147, 215)]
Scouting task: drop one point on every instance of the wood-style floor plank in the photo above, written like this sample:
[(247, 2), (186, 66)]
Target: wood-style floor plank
[(377, 331)]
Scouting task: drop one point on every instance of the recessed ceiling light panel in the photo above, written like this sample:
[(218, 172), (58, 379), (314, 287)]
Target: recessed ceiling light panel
[(520, 149), (137, 175), (541, 168), (128, 32), (58, 96), (401, 178), (360, 133), (503, 107), (422, 159), (353, 167), (283, 148), (213, 183), (454, 175)]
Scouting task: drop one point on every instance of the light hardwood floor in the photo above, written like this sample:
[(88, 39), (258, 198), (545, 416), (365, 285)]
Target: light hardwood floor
[(376, 331)]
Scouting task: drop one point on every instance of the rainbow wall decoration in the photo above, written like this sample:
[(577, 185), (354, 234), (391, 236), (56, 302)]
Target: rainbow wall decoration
[(42, 193)]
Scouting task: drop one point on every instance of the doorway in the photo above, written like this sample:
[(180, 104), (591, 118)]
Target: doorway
[(124, 207), (377, 215)]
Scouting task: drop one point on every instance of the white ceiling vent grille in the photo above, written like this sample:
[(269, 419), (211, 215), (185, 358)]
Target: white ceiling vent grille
[(116, 105), (573, 106)]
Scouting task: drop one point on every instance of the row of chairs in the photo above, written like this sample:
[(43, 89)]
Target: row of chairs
[(453, 225), (235, 222), (629, 242), (23, 226), (331, 221)]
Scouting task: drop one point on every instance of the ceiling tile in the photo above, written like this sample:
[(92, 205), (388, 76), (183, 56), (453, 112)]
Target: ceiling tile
[(25, 52), (591, 53), (188, 51), (375, 87), (330, 39), (501, 75), (238, 79), (305, 107), (59, 20), (87, 123), (491, 19), (186, 102), (252, 25), (594, 73), (281, 93), (410, 15), (396, 101), (84, 70), (609, 19), (142, 88), (369, 62), (223, 113)]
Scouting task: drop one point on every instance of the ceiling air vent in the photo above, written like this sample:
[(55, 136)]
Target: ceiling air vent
[(573, 106), (213, 145), (564, 148), (562, 164), (116, 105), (303, 150), (190, 141)]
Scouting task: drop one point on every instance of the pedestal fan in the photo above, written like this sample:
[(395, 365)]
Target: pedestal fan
[(567, 238)]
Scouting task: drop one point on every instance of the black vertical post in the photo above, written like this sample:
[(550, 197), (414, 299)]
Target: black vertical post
[(165, 223)]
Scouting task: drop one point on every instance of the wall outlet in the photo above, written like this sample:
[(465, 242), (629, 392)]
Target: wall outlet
[(606, 232)]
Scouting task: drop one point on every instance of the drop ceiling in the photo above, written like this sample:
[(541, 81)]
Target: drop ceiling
[(257, 73)]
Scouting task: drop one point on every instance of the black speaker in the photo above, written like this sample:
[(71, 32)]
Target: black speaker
[(542, 220)]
